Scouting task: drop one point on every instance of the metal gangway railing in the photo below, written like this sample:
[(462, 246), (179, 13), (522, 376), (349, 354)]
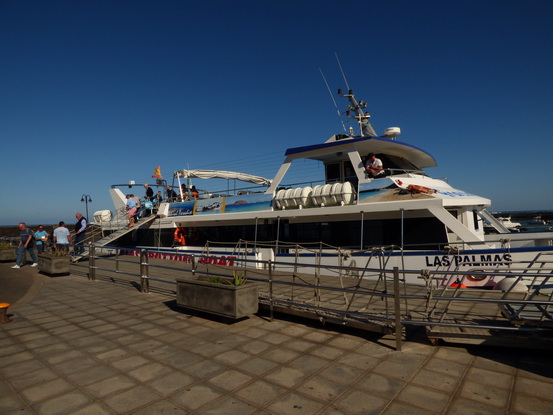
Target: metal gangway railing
[(370, 296)]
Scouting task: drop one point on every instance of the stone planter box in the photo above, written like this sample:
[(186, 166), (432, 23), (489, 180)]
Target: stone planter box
[(223, 300), (54, 265), (7, 254)]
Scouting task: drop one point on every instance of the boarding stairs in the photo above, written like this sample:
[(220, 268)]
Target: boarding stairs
[(116, 235)]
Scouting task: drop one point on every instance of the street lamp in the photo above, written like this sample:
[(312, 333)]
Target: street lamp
[(86, 199)]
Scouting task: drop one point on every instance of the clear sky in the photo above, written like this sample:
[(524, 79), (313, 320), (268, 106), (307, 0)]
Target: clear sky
[(100, 92)]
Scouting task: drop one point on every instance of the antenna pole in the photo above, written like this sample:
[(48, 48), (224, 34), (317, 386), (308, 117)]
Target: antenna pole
[(341, 70), (333, 100)]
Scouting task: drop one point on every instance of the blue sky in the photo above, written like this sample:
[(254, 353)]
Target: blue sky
[(97, 93)]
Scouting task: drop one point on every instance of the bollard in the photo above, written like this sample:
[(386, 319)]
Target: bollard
[(271, 308), (4, 313), (91, 262), (397, 309), (144, 272)]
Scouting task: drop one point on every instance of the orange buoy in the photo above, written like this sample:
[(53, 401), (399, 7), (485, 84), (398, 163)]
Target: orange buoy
[(420, 189)]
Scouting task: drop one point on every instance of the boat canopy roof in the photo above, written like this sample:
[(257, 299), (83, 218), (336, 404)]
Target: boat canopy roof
[(220, 174), (363, 145)]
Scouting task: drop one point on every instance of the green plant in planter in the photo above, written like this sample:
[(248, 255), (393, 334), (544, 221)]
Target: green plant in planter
[(236, 279), (5, 245)]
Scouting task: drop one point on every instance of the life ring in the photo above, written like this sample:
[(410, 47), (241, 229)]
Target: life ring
[(179, 236), (476, 278)]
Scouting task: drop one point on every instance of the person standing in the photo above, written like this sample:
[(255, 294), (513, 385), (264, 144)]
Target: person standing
[(131, 209), (171, 194), (41, 237), (80, 229), (149, 193), (62, 237), (26, 243)]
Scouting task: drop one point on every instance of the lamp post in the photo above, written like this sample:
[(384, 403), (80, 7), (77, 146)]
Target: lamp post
[(86, 199)]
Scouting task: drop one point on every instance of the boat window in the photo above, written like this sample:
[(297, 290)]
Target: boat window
[(340, 172), (333, 172)]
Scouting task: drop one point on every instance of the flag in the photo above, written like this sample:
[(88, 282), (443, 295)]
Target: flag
[(157, 173)]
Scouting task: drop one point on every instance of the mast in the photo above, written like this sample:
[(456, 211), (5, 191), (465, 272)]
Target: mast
[(361, 116)]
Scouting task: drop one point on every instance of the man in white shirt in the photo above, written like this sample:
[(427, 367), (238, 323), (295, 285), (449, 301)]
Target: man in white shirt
[(373, 166), (62, 237)]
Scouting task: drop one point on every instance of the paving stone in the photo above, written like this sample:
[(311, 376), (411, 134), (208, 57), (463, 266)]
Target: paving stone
[(204, 369), (109, 386), (45, 390), (163, 407), (445, 367), (379, 385), (10, 403), (488, 377), (294, 403), (435, 380), (229, 405), (131, 399), (130, 363), (91, 375), (149, 372), (286, 376), (257, 366), (309, 364), (75, 365), (340, 373), (93, 409), (322, 389), (529, 405), (485, 394), (171, 382), (63, 404), (195, 396), (424, 398), (280, 355), (230, 380), (231, 357), (358, 402), (463, 406), (260, 392)]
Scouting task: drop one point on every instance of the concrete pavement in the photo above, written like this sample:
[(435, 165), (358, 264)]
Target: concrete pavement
[(101, 347)]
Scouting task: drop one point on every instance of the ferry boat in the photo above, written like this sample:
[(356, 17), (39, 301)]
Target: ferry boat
[(349, 217)]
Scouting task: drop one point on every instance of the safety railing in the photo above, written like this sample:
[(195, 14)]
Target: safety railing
[(375, 298)]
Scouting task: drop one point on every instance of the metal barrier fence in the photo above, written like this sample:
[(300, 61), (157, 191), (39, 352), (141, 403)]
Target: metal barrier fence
[(385, 304)]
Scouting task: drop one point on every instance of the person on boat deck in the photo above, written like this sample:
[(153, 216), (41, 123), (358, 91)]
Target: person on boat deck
[(132, 207), (183, 192), (171, 194), (80, 229), (159, 198), (195, 193), (62, 237), (373, 166), (149, 193)]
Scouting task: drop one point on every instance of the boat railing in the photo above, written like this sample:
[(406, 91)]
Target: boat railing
[(372, 295)]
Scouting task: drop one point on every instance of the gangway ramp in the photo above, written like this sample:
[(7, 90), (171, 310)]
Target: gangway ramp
[(116, 235)]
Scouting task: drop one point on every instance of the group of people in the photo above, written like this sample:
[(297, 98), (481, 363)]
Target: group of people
[(61, 238), (185, 194)]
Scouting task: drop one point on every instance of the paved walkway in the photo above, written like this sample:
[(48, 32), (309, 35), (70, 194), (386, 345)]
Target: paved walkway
[(101, 347)]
